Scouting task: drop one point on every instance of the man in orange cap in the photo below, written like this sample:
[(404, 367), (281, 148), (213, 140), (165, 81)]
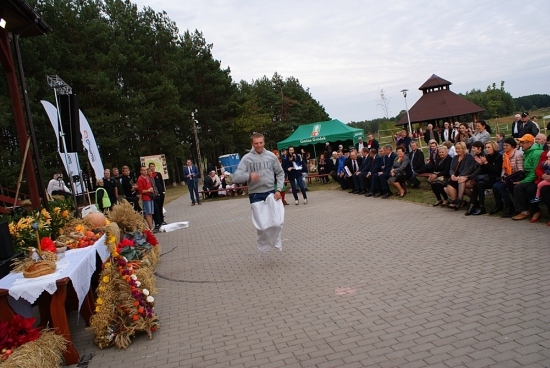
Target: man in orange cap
[(526, 188)]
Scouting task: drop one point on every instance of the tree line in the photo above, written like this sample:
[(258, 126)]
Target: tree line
[(138, 79)]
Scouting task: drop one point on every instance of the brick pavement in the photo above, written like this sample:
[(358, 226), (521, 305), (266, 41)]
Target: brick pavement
[(433, 289)]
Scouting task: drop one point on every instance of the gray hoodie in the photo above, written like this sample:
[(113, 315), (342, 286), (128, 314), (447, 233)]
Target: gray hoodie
[(267, 165)]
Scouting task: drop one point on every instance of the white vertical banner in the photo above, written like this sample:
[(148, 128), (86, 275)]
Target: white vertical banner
[(89, 143), (70, 160), (51, 110)]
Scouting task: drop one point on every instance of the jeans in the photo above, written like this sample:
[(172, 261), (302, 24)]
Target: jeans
[(523, 192), (501, 195), (297, 180)]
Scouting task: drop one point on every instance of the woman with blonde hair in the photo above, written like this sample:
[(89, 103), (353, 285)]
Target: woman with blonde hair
[(461, 167), (440, 176)]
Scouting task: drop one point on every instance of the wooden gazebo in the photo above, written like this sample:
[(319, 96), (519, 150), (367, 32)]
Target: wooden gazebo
[(18, 19), (438, 104)]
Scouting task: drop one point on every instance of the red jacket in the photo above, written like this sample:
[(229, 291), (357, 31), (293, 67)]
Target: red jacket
[(144, 185)]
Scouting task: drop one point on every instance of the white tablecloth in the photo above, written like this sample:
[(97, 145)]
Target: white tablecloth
[(78, 265)]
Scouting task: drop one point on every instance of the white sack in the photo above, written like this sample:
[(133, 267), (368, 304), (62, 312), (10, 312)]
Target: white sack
[(268, 217)]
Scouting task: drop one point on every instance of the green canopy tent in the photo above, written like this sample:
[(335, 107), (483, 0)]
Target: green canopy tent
[(321, 132)]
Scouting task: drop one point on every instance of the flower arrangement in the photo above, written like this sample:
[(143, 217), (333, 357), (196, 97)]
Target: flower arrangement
[(50, 224), (24, 234), (125, 302)]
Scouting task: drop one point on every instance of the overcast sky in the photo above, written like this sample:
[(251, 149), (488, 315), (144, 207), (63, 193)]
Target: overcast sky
[(346, 51)]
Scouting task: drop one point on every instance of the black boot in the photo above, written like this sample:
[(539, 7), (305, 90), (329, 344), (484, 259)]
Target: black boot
[(495, 209), (470, 211), (509, 212)]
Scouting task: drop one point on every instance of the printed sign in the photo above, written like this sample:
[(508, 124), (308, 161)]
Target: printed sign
[(160, 164)]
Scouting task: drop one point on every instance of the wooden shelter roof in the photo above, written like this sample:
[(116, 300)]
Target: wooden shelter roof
[(434, 81), (21, 19), (438, 102)]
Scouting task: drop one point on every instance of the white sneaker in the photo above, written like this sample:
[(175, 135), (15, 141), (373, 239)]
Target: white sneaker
[(296, 202), (305, 200)]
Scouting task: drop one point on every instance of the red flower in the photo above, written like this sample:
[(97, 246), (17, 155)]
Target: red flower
[(150, 238), (17, 332), (47, 244)]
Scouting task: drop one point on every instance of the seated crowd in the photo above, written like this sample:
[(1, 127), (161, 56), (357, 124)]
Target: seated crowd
[(220, 183), (517, 170)]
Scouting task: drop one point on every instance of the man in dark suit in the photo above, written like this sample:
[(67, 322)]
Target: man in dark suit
[(363, 177), (354, 166), (430, 134), (447, 133), (516, 126), (372, 143), (374, 167), (210, 184), (191, 176), (416, 158), (380, 178)]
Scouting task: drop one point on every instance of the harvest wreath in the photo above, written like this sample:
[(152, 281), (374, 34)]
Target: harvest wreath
[(125, 301)]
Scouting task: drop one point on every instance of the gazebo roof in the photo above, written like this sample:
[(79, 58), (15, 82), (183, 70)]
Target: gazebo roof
[(434, 81), (22, 19), (438, 102)]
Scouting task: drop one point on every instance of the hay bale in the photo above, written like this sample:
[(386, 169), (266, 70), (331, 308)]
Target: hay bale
[(127, 219), (45, 352)]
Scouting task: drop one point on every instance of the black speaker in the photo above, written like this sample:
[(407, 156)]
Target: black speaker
[(6, 246), (70, 122)]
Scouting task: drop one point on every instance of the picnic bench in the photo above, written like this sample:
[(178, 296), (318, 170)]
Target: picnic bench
[(228, 191), (309, 177)]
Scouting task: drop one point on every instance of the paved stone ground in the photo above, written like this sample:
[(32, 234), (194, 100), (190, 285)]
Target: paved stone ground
[(423, 287)]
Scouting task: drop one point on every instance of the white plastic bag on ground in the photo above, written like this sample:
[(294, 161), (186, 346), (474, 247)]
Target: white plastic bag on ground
[(268, 217), (174, 226)]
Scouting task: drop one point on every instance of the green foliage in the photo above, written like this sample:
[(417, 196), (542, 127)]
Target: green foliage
[(496, 101), (138, 79), (373, 126), (531, 102), (275, 107)]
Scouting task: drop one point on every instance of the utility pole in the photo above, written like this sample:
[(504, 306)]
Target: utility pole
[(195, 122)]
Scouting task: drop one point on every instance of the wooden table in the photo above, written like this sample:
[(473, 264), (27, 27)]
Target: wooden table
[(53, 307), (55, 312)]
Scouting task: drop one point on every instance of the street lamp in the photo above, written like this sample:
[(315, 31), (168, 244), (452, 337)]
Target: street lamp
[(404, 91)]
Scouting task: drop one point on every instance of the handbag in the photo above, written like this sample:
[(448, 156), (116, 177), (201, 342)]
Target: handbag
[(512, 178), (439, 180), (482, 178)]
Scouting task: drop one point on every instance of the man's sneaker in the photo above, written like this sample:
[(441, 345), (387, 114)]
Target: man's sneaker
[(155, 230), (305, 200), (535, 200), (296, 202)]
